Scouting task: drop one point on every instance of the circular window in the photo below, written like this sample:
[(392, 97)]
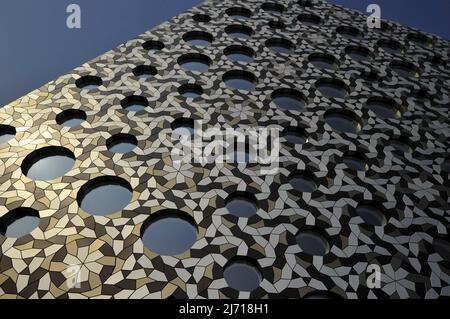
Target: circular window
[(446, 165), (200, 17), (371, 215), (302, 182), (48, 163), (343, 121), (88, 82), (355, 161), (198, 38), (405, 69), (71, 118), (279, 45), (239, 79), (241, 204), (323, 61), (239, 13), (295, 135), (309, 19), (384, 107), (169, 233), (312, 243), (7, 133), (305, 3), (358, 53), (134, 103), (190, 90), (400, 145), (442, 247), (19, 222), (153, 45), (121, 143), (277, 24), (289, 99), (239, 31), (349, 32), (332, 88), (242, 274), (273, 7), (104, 195), (144, 71), (390, 46), (194, 62), (420, 39), (183, 127), (239, 53)]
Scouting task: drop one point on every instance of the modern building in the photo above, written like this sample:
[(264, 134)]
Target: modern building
[(93, 203)]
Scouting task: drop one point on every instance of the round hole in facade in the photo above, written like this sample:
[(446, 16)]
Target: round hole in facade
[(446, 165), (19, 222), (371, 214), (390, 46), (239, 31), (134, 103), (169, 232), (201, 17), (104, 195), (405, 69), (239, 53), (349, 32), (121, 143), (71, 118), (182, 127), (242, 274), (303, 182), (355, 161), (241, 204), (400, 145), (153, 45), (332, 88), (277, 24), (198, 38), (194, 62), (144, 71), (240, 79), (239, 13), (420, 39), (279, 45), (7, 133), (309, 19), (370, 75), (384, 108), (190, 90), (358, 53), (442, 247), (312, 243), (289, 99), (89, 82), (305, 3), (343, 121), (48, 163), (272, 7), (295, 135), (323, 61)]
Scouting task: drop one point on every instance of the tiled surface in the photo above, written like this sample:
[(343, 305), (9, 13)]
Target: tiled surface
[(412, 188)]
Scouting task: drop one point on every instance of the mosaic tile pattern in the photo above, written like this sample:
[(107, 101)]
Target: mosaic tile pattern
[(411, 188)]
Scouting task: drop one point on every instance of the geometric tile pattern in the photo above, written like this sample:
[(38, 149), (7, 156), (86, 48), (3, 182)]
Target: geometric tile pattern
[(412, 188)]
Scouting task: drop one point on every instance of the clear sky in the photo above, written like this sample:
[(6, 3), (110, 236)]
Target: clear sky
[(38, 47)]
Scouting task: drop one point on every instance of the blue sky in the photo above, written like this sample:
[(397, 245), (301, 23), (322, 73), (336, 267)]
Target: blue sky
[(37, 47)]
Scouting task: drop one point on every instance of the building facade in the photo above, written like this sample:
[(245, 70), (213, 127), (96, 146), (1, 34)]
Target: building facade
[(93, 203)]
